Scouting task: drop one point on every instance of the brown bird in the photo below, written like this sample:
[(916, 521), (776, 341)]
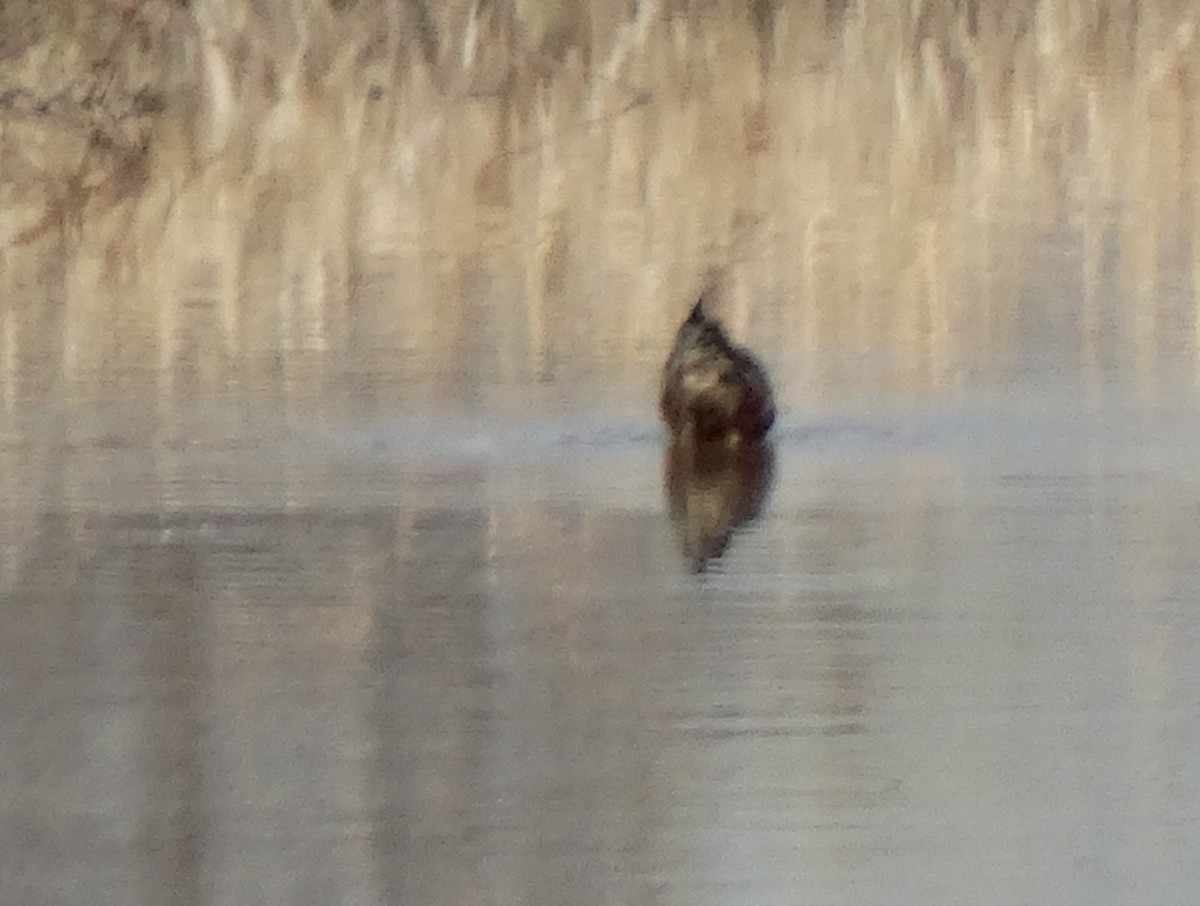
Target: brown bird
[(713, 390)]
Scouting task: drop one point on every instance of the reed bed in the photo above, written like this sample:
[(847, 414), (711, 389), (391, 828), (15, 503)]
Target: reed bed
[(199, 194)]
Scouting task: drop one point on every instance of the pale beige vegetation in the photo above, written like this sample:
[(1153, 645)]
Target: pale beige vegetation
[(236, 187)]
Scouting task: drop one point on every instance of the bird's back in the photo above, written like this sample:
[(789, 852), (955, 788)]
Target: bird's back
[(713, 389)]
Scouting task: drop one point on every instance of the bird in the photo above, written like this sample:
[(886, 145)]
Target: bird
[(714, 391)]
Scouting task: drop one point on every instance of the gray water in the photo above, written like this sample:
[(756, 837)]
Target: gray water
[(952, 659)]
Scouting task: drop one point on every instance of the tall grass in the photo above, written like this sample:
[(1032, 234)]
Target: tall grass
[(366, 185)]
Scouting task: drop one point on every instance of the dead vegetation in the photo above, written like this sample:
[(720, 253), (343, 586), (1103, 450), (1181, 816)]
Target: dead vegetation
[(824, 150)]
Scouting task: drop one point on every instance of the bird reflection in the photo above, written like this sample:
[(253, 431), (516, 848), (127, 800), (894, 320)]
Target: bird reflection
[(713, 490), (718, 405)]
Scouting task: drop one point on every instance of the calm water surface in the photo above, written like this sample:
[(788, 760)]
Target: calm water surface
[(954, 659), (357, 570)]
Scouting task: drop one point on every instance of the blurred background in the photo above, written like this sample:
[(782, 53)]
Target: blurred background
[(341, 556)]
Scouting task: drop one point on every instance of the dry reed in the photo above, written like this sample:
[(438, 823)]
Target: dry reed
[(346, 187)]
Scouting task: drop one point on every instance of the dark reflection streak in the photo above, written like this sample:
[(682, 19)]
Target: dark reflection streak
[(46, 596), (712, 491), (386, 833), (174, 834), (429, 654)]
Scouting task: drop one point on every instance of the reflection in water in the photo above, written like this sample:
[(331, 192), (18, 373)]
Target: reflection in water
[(713, 490)]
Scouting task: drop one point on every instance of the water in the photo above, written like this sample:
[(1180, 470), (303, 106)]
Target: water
[(343, 558), (951, 660)]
